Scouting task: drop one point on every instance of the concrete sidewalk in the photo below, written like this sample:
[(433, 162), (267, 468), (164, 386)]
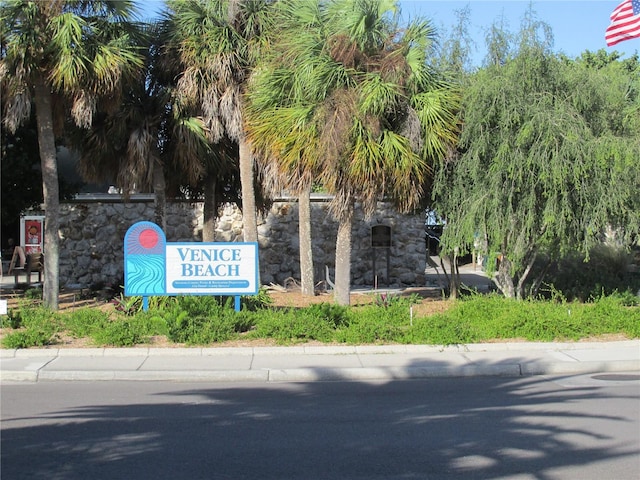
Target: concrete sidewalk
[(317, 363)]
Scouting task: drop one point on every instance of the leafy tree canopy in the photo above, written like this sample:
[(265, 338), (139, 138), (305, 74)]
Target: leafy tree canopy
[(548, 159)]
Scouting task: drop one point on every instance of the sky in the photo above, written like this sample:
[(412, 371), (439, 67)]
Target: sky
[(577, 25)]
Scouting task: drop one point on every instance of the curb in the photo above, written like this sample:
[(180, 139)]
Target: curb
[(326, 374), (310, 349)]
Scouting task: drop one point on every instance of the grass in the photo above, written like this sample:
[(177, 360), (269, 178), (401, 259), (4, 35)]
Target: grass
[(208, 320)]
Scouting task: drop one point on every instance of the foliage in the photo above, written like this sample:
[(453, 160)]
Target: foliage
[(373, 324), (131, 305), (36, 326), (345, 96), (21, 178), (254, 302), (62, 57), (293, 325), (606, 271), (128, 305), (547, 160), (113, 329), (458, 45), (218, 43), (205, 321), (12, 319), (128, 331), (84, 322), (483, 318), (388, 299), (33, 294)]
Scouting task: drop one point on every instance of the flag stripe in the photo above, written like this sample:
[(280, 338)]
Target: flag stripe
[(625, 22)]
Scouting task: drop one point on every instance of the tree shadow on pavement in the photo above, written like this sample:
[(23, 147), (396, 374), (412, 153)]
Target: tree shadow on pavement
[(438, 428)]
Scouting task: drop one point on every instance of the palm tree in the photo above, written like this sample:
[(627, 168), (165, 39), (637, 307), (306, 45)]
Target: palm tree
[(218, 43), (58, 54), (280, 116), (364, 110), (135, 145)]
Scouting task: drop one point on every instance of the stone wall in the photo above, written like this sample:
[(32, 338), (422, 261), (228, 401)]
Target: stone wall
[(92, 235)]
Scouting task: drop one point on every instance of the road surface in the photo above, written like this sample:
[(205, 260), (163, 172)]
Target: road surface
[(582, 427)]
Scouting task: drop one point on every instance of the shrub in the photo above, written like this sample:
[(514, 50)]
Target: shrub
[(38, 326), (28, 338), (605, 272), (255, 302), (13, 319), (294, 325), (203, 320), (439, 329), (127, 305), (334, 315), (125, 331), (374, 324), (483, 318), (84, 322), (33, 294)]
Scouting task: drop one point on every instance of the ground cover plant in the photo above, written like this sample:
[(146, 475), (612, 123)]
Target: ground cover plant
[(383, 320)]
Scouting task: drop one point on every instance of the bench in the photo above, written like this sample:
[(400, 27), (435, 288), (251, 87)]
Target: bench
[(26, 264)]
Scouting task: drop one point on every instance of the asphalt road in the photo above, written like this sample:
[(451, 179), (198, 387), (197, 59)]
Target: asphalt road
[(583, 427)]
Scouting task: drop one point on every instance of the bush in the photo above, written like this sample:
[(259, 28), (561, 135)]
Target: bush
[(28, 338), (483, 318), (203, 320), (375, 324), (38, 326), (127, 331), (605, 273), (256, 302), (13, 319), (84, 322), (295, 325)]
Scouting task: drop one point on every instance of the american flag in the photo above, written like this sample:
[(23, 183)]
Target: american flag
[(625, 23)]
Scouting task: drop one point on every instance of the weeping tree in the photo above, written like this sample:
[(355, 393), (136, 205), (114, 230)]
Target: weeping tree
[(64, 58), (548, 160), (455, 59)]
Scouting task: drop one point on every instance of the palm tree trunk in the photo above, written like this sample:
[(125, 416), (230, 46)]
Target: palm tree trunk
[(160, 190), (210, 209), (249, 220), (304, 231), (47, 146), (343, 259)]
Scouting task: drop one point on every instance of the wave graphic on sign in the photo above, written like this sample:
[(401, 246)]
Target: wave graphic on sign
[(145, 275)]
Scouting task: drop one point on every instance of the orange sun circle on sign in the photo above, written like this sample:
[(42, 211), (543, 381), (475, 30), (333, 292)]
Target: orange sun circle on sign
[(148, 238)]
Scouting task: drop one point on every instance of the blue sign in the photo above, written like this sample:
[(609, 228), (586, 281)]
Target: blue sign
[(154, 267)]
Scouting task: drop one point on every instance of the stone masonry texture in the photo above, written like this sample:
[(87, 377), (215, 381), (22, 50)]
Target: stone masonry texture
[(92, 237)]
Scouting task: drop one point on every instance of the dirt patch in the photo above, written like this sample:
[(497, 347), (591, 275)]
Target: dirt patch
[(430, 300)]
